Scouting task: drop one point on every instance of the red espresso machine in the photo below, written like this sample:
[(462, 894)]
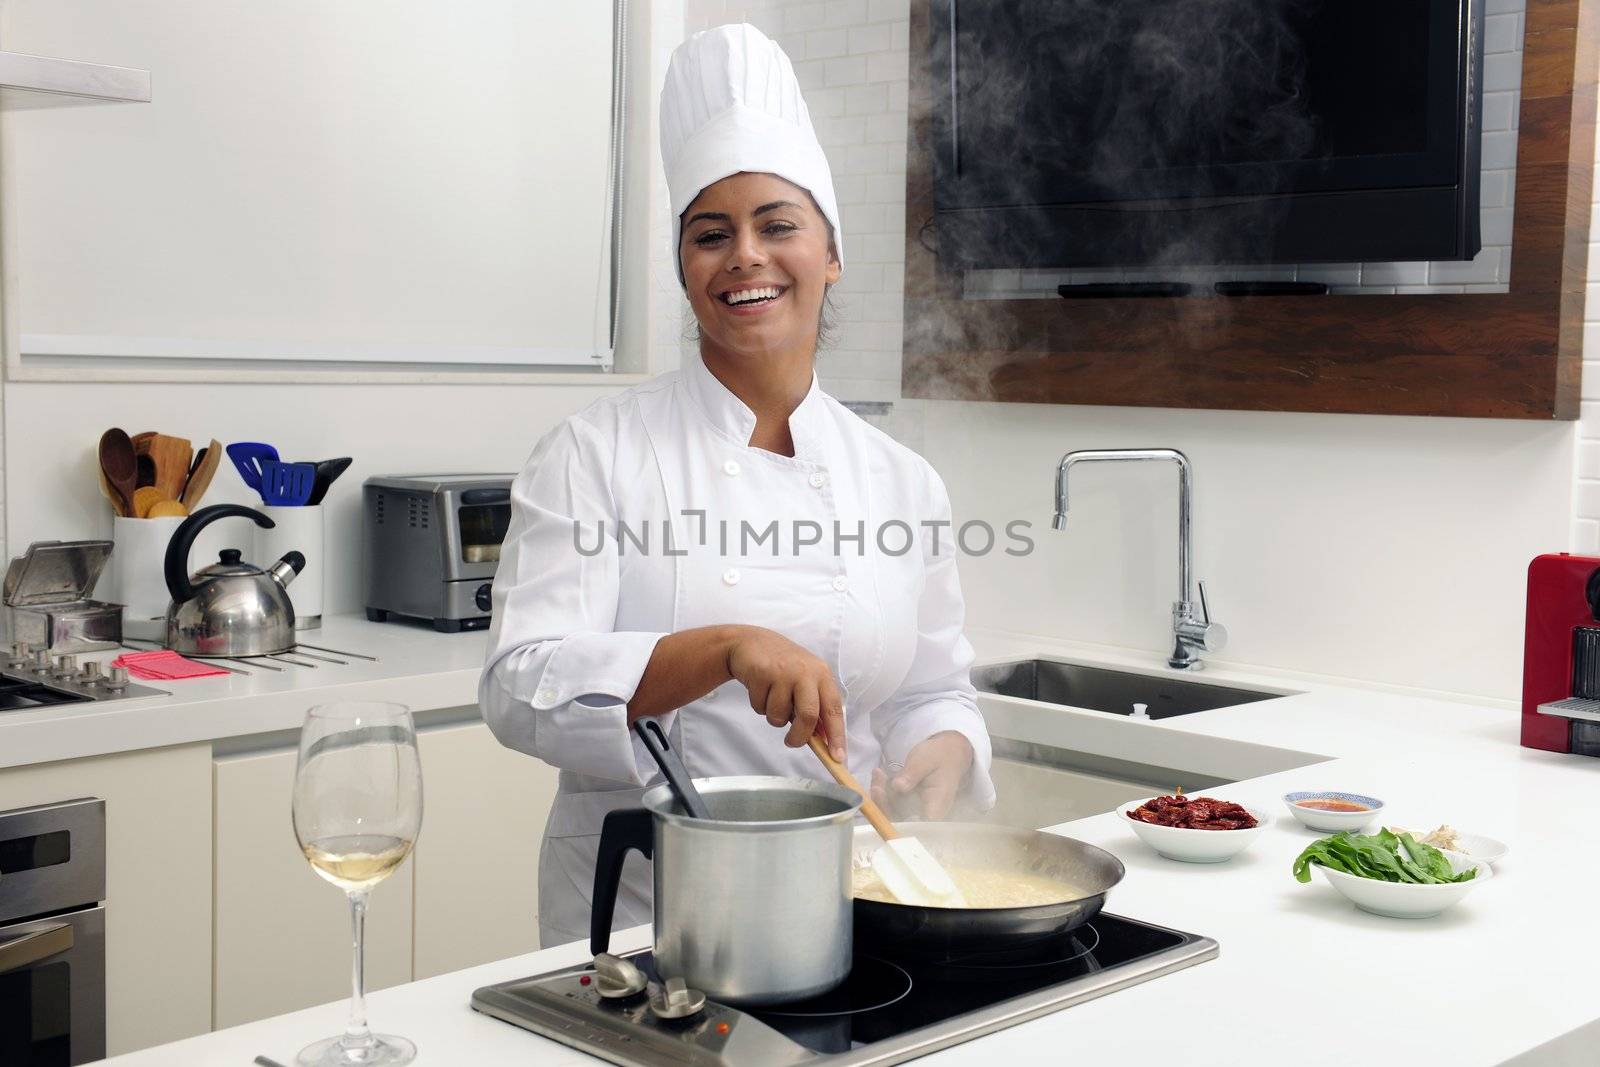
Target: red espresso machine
[(1561, 655)]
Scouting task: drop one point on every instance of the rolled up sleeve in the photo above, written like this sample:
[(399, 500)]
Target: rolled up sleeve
[(559, 676), (937, 693)]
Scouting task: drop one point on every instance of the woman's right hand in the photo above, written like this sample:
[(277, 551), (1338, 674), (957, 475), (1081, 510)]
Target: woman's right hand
[(790, 686)]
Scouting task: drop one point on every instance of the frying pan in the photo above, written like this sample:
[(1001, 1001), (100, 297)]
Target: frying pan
[(946, 934)]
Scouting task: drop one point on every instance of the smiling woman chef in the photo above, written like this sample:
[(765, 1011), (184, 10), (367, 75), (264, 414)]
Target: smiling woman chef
[(808, 582)]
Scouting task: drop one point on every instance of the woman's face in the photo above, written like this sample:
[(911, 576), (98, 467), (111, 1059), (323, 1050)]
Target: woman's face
[(757, 235)]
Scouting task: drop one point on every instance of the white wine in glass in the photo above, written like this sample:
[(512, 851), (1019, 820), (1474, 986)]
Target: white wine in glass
[(357, 811)]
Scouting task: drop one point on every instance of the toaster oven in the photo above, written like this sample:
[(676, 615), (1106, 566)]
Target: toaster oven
[(431, 544)]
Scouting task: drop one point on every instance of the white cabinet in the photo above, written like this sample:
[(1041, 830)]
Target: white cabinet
[(1035, 795), (477, 859), (282, 933), (158, 882), (467, 895)]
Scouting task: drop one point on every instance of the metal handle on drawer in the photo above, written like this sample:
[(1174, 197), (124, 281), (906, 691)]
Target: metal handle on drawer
[(35, 946)]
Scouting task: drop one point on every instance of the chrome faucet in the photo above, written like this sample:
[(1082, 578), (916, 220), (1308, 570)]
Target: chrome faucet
[(1192, 633)]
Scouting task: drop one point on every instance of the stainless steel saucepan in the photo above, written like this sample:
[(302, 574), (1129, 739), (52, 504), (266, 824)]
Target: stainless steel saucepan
[(752, 905), (941, 934)]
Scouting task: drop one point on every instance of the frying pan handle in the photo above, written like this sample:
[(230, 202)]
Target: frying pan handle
[(629, 828)]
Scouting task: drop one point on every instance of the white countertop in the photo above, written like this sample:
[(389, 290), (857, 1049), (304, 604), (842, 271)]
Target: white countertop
[(411, 664), (1303, 978)]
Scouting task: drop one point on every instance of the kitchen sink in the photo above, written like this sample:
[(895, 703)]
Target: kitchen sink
[(1103, 689)]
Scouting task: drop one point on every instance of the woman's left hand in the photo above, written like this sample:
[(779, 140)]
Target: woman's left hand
[(927, 786)]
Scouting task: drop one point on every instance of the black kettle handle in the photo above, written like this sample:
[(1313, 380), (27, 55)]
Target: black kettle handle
[(628, 828), (176, 566)]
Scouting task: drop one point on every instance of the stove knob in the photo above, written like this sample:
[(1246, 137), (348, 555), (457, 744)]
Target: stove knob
[(677, 1001), (117, 680), (616, 978), (66, 667), (89, 673), (41, 661), (19, 654)]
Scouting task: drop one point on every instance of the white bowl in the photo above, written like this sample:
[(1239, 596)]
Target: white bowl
[(1477, 846), (1331, 822), (1482, 848), (1404, 900), (1198, 846)]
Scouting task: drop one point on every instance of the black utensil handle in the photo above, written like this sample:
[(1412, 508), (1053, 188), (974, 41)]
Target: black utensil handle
[(655, 740), (628, 828), (328, 472)]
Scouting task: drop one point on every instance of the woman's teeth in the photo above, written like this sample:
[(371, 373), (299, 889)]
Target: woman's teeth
[(752, 296)]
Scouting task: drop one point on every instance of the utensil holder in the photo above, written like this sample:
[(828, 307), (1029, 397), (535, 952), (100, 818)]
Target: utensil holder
[(137, 560), (297, 529)]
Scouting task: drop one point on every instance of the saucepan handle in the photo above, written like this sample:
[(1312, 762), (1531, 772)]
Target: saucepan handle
[(629, 828)]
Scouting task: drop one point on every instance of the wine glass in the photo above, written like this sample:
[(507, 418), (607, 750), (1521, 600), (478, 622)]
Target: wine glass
[(357, 810)]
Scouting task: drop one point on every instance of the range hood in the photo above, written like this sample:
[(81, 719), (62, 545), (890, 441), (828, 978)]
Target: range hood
[(40, 81)]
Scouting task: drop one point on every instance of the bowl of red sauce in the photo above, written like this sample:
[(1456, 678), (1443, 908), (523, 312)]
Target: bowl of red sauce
[(1329, 812)]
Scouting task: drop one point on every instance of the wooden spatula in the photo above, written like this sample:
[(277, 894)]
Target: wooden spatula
[(111, 494), (144, 464), (171, 456), (205, 469), (905, 865)]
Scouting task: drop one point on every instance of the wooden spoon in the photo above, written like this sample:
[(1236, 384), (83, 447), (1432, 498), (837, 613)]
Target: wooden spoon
[(205, 468), (119, 466), (171, 456), (110, 493), (908, 870)]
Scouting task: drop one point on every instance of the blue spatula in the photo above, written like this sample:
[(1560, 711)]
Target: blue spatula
[(287, 485), (247, 457)]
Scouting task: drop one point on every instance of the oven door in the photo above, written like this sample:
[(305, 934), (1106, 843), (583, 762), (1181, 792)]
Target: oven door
[(53, 990)]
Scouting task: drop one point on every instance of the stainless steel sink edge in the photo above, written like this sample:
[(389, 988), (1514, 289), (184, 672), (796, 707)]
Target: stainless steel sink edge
[(1215, 675), (1072, 683)]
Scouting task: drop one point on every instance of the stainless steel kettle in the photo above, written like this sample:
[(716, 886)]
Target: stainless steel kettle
[(230, 608)]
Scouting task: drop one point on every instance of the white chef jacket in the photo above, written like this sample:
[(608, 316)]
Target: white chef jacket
[(578, 611)]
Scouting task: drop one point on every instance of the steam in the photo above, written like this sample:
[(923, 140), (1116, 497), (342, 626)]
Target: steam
[(1154, 84)]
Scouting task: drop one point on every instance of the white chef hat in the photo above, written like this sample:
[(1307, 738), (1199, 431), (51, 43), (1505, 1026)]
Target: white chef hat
[(731, 103)]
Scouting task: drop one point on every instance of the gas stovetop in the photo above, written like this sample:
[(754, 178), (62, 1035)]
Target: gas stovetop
[(42, 679), (885, 1012)]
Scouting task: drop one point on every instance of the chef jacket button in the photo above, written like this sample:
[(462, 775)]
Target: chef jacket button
[(818, 480), (841, 583), (730, 576), (547, 696), (731, 468)]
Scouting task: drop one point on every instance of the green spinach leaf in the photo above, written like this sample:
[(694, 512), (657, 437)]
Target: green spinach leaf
[(1385, 856)]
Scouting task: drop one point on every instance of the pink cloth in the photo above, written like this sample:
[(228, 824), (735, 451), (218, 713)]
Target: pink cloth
[(163, 665)]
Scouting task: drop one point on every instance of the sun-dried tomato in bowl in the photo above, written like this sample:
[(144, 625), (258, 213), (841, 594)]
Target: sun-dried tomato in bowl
[(1194, 813)]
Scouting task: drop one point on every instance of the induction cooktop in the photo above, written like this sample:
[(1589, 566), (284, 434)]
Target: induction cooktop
[(887, 1010)]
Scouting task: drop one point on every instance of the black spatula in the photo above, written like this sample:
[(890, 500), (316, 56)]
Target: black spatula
[(655, 740)]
